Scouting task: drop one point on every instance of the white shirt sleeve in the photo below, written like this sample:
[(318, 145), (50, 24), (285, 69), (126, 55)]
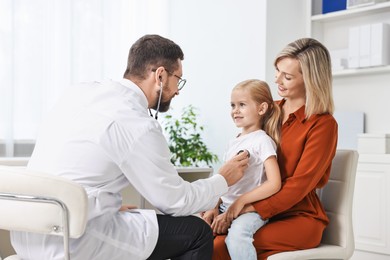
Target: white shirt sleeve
[(147, 166)]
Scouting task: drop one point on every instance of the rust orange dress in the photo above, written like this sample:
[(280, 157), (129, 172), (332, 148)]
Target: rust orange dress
[(296, 216)]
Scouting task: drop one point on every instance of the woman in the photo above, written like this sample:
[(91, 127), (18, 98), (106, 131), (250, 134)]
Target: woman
[(296, 216)]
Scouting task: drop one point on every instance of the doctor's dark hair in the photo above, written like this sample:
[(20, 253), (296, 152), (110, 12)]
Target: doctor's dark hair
[(316, 70), (260, 92), (150, 52)]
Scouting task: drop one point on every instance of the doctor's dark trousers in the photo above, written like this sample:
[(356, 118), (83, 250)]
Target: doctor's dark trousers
[(183, 238)]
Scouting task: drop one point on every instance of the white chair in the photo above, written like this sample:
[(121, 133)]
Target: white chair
[(41, 203), (5, 245), (14, 161), (337, 197)]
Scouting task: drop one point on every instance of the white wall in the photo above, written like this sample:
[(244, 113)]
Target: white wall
[(368, 94), (225, 42), (286, 22)]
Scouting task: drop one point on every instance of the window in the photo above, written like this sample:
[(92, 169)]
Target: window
[(47, 45)]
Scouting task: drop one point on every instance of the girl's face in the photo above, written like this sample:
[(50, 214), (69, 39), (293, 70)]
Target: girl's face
[(244, 111), (289, 79)]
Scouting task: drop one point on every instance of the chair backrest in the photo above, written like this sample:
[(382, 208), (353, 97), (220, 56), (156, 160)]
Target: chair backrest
[(35, 202), (337, 198)]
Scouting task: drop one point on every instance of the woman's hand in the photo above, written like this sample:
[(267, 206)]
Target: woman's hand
[(234, 210), (220, 224), (248, 208)]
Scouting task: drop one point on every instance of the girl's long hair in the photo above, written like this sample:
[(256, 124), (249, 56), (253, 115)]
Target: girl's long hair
[(260, 92)]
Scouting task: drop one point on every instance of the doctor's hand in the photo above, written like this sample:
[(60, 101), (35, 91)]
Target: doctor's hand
[(233, 170), (127, 207)]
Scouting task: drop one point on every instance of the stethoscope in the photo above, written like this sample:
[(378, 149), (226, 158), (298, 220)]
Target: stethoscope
[(158, 103)]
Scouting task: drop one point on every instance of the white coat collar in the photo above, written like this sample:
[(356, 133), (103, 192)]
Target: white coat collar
[(129, 84)]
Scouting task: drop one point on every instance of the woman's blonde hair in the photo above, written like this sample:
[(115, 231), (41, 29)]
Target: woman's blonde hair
[(316, 70), (260, 93)]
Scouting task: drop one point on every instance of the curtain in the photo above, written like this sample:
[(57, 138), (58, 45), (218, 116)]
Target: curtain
[(47, 45)]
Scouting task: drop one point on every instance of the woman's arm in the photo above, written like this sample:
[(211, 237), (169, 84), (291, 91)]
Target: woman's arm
[(307, 150)]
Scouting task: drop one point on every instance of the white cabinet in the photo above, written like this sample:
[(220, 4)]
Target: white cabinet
[(332, 29), (371, 208)]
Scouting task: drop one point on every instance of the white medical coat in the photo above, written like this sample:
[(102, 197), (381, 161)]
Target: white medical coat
[(102, 136)]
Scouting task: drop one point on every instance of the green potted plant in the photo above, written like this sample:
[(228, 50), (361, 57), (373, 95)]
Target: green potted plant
[(190, 154)]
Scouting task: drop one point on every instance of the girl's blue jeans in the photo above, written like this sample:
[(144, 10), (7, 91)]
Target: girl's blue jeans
[(239, 240)]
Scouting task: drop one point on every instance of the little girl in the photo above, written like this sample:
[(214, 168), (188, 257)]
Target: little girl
[(252, 110)]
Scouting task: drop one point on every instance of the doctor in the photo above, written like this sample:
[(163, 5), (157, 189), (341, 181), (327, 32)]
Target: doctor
[(102, 136)]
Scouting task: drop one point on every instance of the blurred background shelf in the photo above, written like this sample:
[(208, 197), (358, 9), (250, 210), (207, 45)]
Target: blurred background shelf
[(361, 71)]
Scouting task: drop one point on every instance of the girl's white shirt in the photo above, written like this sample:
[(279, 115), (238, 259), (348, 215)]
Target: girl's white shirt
[(101, 136), (261, 147)]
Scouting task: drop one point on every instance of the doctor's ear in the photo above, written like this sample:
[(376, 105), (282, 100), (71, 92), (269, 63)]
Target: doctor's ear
[(159, 71)]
